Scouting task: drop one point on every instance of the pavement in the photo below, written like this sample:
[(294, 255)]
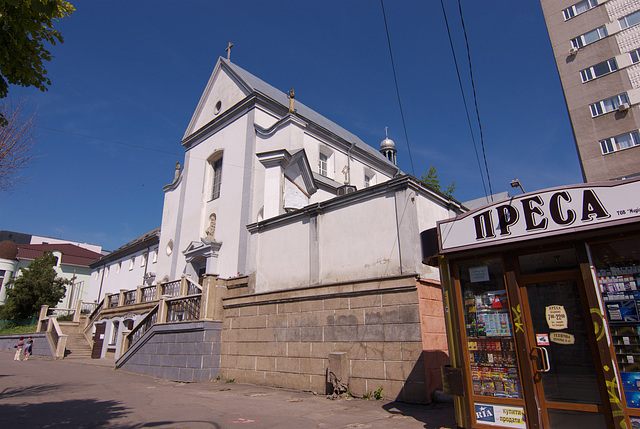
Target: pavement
[(88, 393)]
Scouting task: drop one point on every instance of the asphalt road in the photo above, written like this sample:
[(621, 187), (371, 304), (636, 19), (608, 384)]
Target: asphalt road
[(74, 394)]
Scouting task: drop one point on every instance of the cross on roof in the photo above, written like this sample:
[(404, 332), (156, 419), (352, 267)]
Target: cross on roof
[(228, 49)]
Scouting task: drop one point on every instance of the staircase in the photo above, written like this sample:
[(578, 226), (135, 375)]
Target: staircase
[(77, 347)]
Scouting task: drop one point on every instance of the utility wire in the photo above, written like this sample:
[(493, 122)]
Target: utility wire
[(395, 78), (475, 99), (464, 99)]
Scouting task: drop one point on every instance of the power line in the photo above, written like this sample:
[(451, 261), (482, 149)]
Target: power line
[(395, 78), (475, 99), (464, 99)]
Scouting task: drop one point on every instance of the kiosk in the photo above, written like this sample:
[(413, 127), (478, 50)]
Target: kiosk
[(542, 306)]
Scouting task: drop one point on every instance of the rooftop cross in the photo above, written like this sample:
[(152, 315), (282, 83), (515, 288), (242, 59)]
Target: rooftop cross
[(228, 49)]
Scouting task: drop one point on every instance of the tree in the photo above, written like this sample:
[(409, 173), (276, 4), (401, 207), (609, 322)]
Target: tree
[(25, 27), (35, 286), (432, 180), (17, 141)]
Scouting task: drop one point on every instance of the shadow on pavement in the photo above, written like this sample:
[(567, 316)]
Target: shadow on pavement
[(85, 413), (434, 416), (16, 392)]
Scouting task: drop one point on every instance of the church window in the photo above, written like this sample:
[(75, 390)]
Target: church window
[(114, 333), (119, 267), (322, 164), (217, 178), (132, 262), (367, 181), (143, 260), (154, 256)]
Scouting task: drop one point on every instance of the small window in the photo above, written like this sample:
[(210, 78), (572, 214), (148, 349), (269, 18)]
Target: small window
[(629, 20), (106, 272), (635, 56), (367, 181), (617, 143), (322, 164), (154, 256), (598, 70), (132, 262), (119, 267), (590, 37), (143, 260), (579, 8), (114, 333), (217, 178), (608, 105)]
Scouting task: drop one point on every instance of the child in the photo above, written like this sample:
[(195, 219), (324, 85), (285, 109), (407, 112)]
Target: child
[(28, 349)]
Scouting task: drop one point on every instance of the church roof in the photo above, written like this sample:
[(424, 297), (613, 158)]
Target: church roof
[(258, 85), (149, 238)]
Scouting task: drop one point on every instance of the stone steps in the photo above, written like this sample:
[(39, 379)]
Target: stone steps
[(77, 347)]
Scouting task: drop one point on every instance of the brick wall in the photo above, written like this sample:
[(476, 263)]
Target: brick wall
[(284, 339)]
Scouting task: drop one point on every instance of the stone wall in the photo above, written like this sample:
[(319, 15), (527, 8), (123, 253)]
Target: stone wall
[(283, 339), (179, 351), (40, 347)]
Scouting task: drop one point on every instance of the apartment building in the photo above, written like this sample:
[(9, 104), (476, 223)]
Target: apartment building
[(596, 44)]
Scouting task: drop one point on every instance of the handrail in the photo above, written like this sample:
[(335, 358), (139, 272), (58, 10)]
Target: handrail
[(184, 308), (143, 326), (194, 288)]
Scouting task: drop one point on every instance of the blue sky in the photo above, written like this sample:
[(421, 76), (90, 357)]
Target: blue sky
[(129, 75)]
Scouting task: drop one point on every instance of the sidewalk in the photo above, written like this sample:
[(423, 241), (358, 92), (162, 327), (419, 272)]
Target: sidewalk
[(85, 393)]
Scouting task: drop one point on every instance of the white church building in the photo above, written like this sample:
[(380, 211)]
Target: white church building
[(255, 155)]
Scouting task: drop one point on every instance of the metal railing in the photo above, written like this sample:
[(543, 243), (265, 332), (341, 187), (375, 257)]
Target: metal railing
[(145, 324), (113, 300), (183, 309), (88, 307), (149, 293), (130, 297), (171, 288)]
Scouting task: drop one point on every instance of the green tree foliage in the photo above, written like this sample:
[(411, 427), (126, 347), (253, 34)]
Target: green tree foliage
[(37, 285), (26, 26), (432, 180)]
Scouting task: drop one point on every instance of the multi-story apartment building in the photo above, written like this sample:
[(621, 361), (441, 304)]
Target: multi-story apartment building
[(596, 44)]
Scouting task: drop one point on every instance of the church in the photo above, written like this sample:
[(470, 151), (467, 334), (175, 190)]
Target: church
[(312, 235)]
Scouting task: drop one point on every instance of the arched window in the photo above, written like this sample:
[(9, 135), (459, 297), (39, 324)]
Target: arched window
[(215, 166)]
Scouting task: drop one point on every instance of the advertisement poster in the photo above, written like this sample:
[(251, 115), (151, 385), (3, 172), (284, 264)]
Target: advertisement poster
[(556, 317), (500, 415)]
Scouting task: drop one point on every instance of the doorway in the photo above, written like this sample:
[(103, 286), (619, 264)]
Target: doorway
[(561, 347)]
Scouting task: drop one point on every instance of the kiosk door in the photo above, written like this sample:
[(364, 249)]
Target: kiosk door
[(562, 354)]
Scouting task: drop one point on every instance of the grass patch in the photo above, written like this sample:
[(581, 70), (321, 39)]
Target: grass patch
[(15, 330)]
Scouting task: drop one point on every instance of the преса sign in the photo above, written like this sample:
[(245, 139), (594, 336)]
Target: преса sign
[(543, 213)]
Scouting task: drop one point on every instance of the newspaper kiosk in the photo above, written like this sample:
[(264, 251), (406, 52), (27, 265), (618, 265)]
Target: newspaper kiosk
[(542, 305)]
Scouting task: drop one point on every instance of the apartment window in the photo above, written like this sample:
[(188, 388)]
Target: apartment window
[(635, 56), (623, 141), (629, 20), (590, 37), (217, 178), (608, 105), (579, 8), (322, 164), (598, 70)]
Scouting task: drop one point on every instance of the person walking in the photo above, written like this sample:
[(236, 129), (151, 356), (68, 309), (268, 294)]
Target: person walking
[(19, 347), (28, 348)]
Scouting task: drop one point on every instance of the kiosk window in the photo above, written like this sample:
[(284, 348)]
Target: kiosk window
[(617, 266), (492, 356)]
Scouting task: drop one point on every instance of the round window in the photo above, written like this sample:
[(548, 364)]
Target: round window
[(218, 107)]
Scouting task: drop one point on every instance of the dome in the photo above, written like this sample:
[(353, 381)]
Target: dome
[(8, 250), (387, 144)]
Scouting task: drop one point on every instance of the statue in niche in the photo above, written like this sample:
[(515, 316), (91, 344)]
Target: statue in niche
[(291, 96), (177, 172), (212, 227)]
